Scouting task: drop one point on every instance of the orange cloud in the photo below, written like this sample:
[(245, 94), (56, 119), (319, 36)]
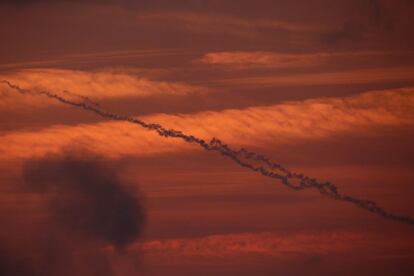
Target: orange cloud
[(87, 58), (242, 59), (275, 125), (358, 76), (99, 85), (262, 243), (276, 245)]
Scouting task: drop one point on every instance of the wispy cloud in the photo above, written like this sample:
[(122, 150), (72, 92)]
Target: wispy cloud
[(200, 22), (357, 76), (96, 57), (280, 124), (248, 59), (279, 246), (261, 243), (98, 85)]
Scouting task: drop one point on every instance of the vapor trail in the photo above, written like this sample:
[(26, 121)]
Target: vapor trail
[(244, 158)]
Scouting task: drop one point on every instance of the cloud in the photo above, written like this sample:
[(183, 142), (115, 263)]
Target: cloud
[(85, 211), (90, 199), (10, 266), (376, 23), (114, 25), (204, 22), (275, 245), (245, 59), (273, 253), (356, 76), (92, 58), (99, 85), (276, 125), (261, 243)]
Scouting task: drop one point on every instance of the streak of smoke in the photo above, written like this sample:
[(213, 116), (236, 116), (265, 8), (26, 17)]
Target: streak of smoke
[(265, 166), (84, 98)]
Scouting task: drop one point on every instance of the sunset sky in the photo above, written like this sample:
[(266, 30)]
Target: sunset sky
[(324, 87)]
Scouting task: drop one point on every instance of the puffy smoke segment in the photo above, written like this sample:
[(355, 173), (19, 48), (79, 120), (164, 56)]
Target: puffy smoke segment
[(84, 98), (250, 160)]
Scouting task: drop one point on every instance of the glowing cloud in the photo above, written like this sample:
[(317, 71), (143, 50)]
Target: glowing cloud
[(99, 85), (243, 59), (357, 76), (275, 125)]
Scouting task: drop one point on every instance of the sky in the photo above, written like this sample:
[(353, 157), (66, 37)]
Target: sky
[(325, 88)]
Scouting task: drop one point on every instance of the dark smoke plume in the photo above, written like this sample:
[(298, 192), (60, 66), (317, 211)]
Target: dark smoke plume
[(87, 198), (88, 216), (250, 160), (10, 266)]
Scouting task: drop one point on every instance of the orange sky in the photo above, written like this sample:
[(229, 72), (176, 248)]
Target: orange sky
[(325, 88)]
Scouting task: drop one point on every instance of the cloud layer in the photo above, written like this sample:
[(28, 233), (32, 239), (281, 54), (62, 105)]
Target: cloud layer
[(104, 85), (286, 123), (245, 59)]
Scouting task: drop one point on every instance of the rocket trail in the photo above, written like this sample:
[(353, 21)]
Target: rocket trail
[(244, 158)]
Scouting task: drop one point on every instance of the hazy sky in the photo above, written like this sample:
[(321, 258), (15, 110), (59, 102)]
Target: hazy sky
[(324, 87)]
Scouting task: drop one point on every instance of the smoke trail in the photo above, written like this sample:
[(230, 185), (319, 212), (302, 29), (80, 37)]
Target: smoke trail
[(84, 98), (244, 158)]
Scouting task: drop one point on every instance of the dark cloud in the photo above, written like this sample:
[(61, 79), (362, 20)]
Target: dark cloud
[(49, 30), (29, 2), (88, 198), (13, 267), (374, 23), (84, 208)]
